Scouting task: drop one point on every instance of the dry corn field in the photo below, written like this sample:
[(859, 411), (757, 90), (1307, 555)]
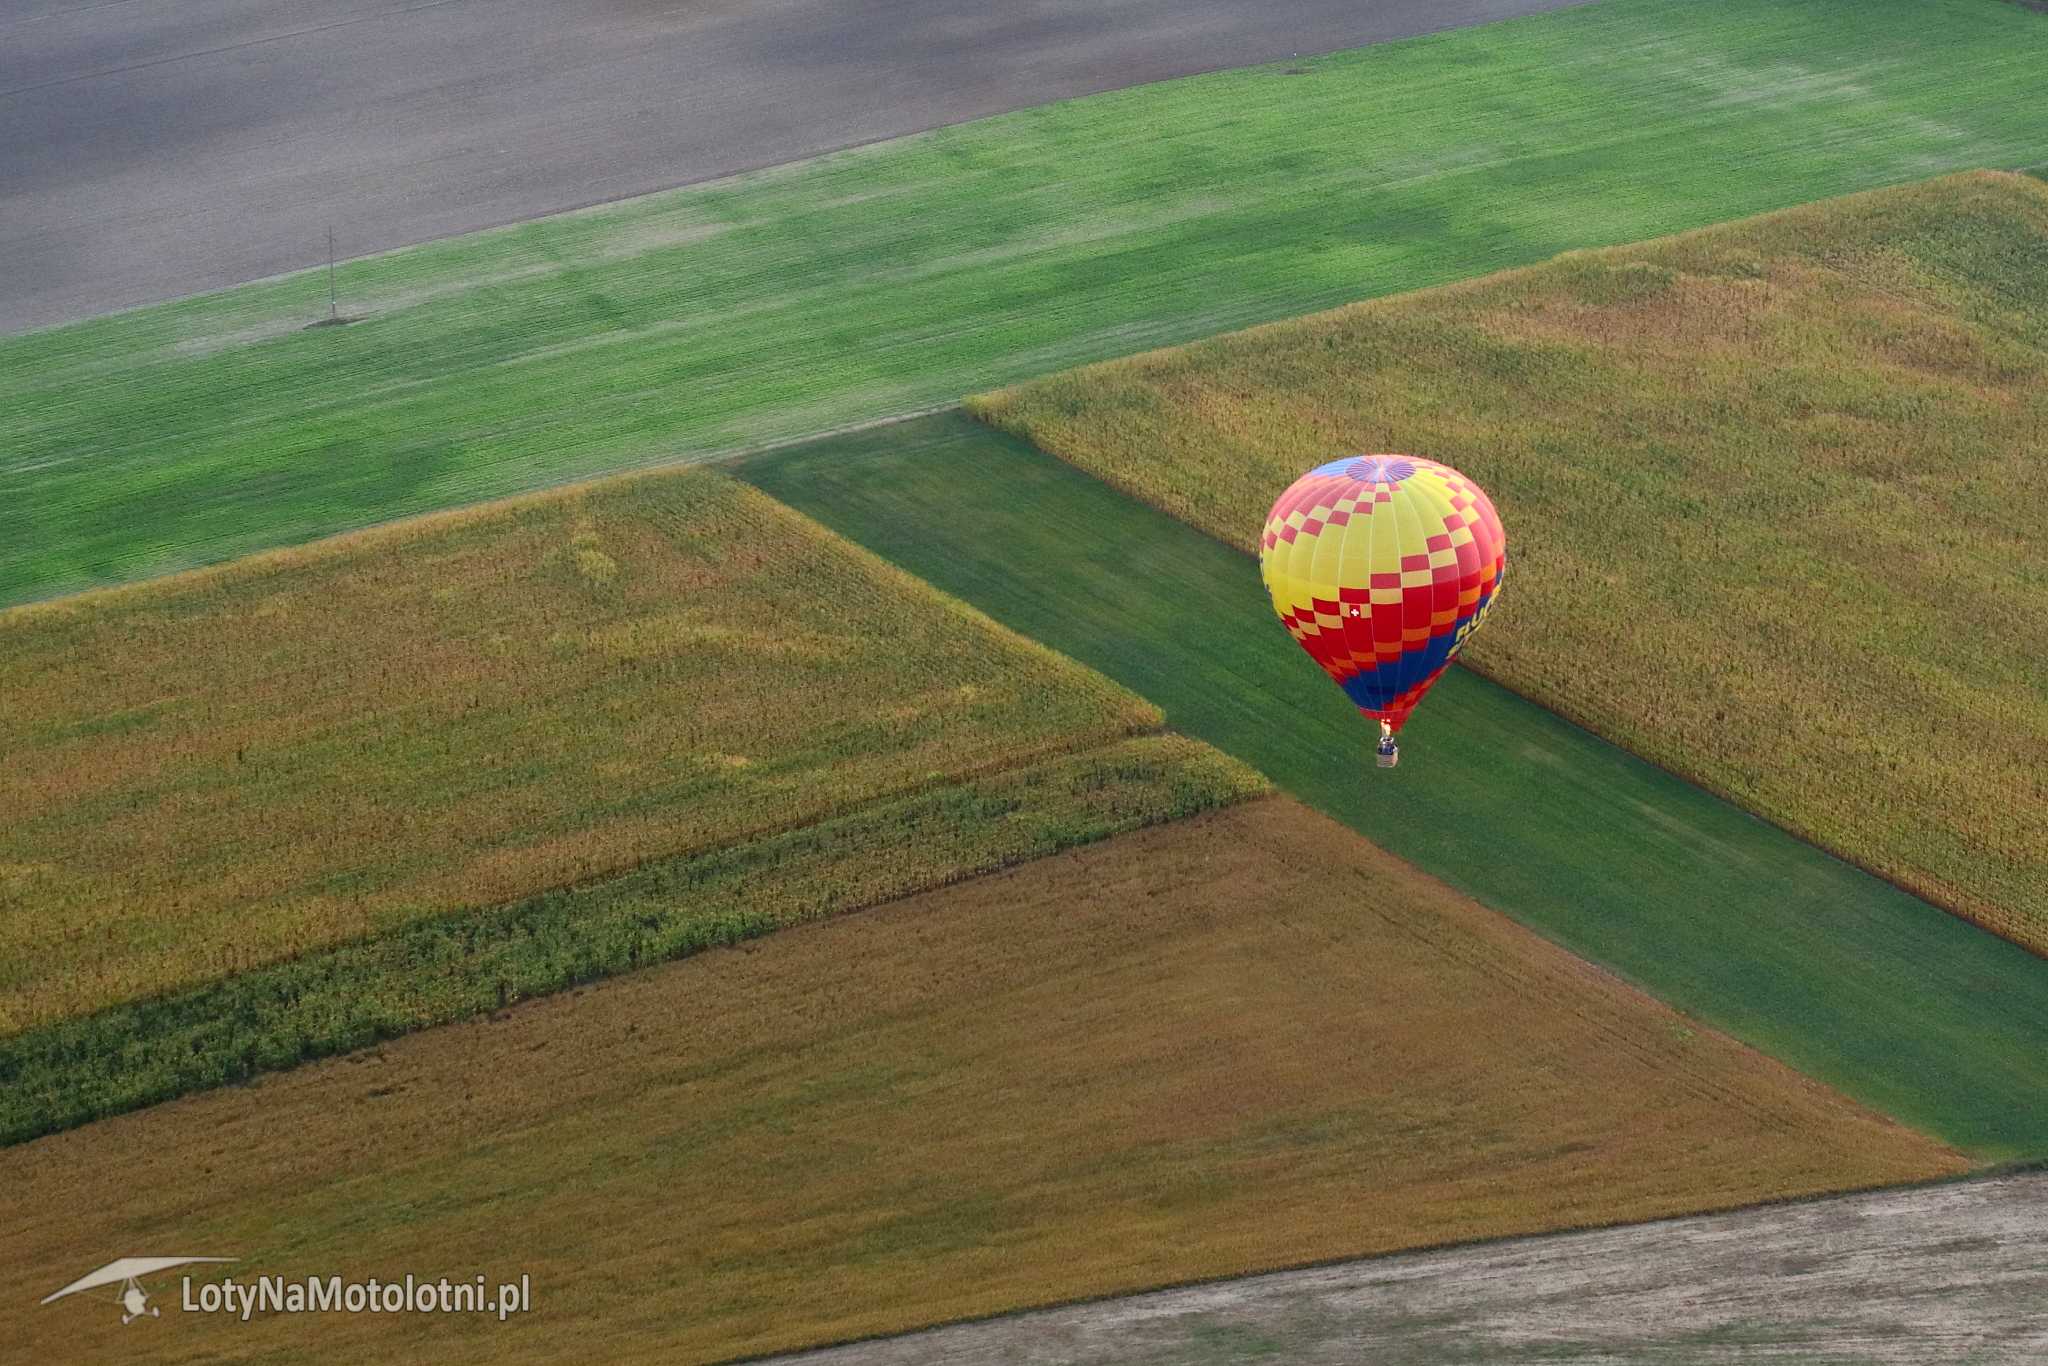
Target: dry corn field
[(229, 768), (1771, 492), (1234, 1042)]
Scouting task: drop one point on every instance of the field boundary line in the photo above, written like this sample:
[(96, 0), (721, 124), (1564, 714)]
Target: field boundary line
[(334, 540), (1996, 1172)]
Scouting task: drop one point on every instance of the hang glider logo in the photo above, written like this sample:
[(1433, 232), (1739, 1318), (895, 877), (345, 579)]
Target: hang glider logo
[(127, 1273)]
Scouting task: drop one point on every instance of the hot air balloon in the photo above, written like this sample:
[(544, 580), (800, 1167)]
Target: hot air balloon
[(1380, 566)]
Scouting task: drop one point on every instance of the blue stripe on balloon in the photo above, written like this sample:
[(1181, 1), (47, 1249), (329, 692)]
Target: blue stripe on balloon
[(1374, 689)]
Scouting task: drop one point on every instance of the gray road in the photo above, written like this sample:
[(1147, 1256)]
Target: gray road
[(155, 148), (1955, 1273)]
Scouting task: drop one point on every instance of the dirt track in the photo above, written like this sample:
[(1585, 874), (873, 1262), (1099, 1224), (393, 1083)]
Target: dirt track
[(155, 148), (1955, 1273)]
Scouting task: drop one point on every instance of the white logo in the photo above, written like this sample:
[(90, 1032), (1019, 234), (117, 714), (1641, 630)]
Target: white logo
[(315, 1294), (127, 1272)]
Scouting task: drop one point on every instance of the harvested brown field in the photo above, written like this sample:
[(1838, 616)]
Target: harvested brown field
[(223, 770), (1770, 490), (1237, 1042)]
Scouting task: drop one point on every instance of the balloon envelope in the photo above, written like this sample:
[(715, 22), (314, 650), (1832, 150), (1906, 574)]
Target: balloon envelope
[(1380, 566)]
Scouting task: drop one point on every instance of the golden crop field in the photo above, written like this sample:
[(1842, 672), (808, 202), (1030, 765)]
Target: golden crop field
[(1771, 492), (1235, 1042), (226, 769)]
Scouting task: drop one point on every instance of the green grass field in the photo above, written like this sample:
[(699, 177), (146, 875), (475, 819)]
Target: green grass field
[(1918, 1014), (908, 274), (1759, 481), (223, 771)]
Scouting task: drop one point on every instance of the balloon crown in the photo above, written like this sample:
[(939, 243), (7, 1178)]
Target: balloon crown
[(1371, 469)]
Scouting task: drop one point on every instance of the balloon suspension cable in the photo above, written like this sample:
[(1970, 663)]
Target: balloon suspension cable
[(1389, 752)]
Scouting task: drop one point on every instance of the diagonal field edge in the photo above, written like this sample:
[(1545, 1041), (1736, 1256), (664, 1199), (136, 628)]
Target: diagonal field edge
[(1849, 979), (1353, 1299)]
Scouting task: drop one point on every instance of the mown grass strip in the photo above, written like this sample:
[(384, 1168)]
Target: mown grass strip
[(1760, 483), (905, 275), (1846, 977), (432, 971)]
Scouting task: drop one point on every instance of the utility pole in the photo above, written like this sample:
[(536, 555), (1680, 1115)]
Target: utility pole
[(330, 273)]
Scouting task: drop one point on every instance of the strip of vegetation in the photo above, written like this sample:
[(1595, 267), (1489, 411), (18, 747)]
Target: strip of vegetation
[(452, 966), (1760, 483), (901, 276)]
